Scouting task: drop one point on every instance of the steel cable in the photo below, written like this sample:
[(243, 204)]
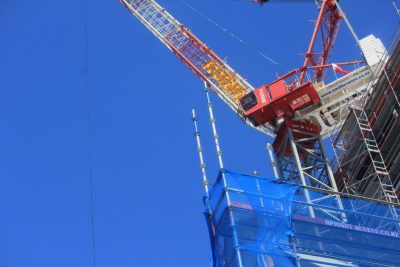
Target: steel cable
[(234, 36), (89, 133)]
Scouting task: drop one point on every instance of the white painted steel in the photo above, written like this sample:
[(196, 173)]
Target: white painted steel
[(335, 96), (272, 159), (161, 24), (214, 129), (200, 152)]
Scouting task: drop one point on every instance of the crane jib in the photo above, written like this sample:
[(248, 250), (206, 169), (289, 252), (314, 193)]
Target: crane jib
[(195, 54), (203, 62), (218, 75)]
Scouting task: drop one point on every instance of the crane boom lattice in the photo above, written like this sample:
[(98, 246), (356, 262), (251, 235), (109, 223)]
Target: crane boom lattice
[(225, 82)]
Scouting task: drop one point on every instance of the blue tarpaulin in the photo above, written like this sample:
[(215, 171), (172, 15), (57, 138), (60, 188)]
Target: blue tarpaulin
[(256, 221)]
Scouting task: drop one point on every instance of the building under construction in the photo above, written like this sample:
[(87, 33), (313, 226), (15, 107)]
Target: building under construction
[(381, 109), (258, 221), (320, 210)]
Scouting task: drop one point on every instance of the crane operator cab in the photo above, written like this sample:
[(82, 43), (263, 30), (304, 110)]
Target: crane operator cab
[(270, 102)]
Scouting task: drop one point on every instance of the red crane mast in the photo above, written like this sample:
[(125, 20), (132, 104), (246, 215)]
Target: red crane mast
[(325, 29)]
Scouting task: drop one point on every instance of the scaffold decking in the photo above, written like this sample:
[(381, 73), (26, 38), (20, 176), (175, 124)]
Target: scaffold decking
[(261, 222)]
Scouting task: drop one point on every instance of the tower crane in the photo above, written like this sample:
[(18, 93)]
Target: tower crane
[(298, 110), (219, 76), (290, 96)]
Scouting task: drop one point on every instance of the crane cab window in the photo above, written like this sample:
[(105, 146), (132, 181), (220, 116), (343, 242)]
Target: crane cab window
[(248, 101)]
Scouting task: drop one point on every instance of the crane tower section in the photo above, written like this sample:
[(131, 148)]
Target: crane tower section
[(225, 82)]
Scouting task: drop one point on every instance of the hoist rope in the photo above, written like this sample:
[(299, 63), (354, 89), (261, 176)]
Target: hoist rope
[(234, 36), (89, 132)]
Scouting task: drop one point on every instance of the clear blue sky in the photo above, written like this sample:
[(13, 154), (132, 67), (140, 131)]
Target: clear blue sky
[(147, 185)]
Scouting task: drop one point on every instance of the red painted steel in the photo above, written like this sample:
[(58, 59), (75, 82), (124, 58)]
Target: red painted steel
[(300, 130), (326, 28), (284, 105), (327, 25), (282, 98)]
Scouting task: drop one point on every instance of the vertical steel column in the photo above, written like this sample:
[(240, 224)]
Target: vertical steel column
[(332, 178), (272, 159), (300, 170)]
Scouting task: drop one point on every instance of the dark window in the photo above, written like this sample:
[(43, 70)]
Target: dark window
[(248, 101)]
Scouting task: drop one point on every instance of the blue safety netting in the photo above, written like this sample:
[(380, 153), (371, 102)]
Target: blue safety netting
[(255, 221)]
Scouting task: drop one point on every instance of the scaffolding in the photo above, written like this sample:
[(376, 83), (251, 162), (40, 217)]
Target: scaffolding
[(262, 222), (367, 146), (318, 212)]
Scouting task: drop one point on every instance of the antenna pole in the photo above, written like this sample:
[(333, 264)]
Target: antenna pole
[(200, 152), (214, 128)]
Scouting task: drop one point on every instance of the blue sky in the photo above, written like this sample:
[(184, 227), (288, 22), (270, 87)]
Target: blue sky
[(146, 180)]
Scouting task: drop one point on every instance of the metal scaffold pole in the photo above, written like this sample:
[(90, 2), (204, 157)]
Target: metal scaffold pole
[(222, 170), (272, 159), (200, 152), (214, 128)]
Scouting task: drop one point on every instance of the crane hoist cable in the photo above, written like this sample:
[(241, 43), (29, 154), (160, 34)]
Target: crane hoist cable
[(234, 36), (88, 131), (302, 99)]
